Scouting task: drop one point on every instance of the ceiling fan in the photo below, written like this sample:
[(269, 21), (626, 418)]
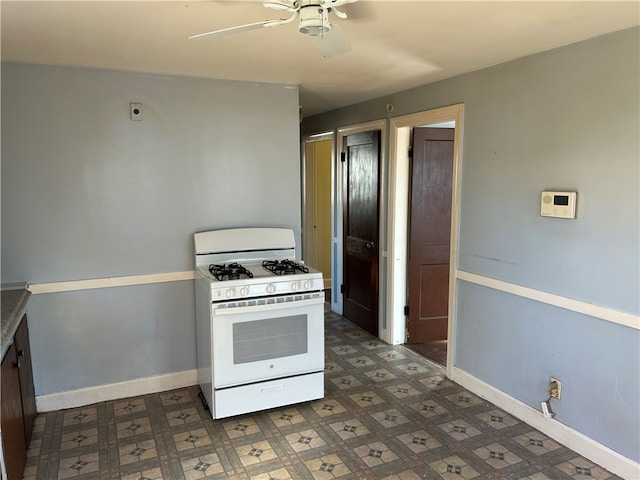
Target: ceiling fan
[(313, 20)]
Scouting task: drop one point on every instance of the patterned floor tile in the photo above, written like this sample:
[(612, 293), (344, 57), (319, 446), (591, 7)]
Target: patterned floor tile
[(332, 367), (414, 368), (464, 399), (305, 440), (346, 382), (137, 452), (350, 429), (367, 399), (580, 469), (75, 439), (454, 468), (375, 454), (419, 441), (497, 456), (240, 428), (175, 397), (536, 443), (150, 474), (429, 408), (326, 408), (497, 419), (80, 416), (403, 390), (183, 416), (361, 361), (284, 418), (327, 467), (130, 428), (390, 418), (380, 375), (129, 406), (202, 466), (76, 466), (278, 474), (405, 475), (387, 414), (459, 430), (436, 382), (256, 452), (191, 439)]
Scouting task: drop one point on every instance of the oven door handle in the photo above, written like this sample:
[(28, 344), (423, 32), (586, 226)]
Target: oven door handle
[(267, 306)]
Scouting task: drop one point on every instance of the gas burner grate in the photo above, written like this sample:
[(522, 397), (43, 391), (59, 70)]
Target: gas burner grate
[(284, 267), (232, 271)]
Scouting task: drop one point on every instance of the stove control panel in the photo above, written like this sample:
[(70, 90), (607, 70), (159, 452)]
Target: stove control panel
[(220, 292)]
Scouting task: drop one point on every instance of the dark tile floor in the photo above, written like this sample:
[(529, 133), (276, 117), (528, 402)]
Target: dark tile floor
[(388, 414), (434, 351)]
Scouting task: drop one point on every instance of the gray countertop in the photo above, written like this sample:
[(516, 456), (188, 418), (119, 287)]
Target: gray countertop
[(14, 304)]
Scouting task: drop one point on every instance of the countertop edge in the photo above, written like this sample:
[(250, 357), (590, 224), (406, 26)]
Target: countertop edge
[(14, 305)]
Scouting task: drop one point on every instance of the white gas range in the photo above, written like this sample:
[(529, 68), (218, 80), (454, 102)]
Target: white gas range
[(259, 321)]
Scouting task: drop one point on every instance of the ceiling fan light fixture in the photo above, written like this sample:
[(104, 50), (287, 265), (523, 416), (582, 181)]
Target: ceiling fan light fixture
[(314, 20)]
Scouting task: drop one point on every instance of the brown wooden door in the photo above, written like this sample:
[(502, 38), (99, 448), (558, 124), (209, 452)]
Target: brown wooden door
[(361, 168), (430, 233)]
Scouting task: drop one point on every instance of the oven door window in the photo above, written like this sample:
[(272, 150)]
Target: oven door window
[(269, 339)]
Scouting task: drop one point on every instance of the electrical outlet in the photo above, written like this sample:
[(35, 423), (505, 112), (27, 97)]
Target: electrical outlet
[(555, 388)]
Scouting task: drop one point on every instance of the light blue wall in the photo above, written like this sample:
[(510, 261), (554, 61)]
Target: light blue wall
[(108, 335), (88, 193), (563, 119), (515, 345)]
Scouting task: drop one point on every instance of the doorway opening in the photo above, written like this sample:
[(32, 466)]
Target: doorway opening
[(429, 249), (317, 171), (401, 136)]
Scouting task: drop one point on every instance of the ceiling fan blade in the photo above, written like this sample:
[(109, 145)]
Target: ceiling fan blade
[(238, 29), (230, 30), (337, 3), (279, 5), (332, 43)]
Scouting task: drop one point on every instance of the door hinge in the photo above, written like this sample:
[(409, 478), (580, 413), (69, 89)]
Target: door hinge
[(343, 156), (342, 288), (410, 152), (406, 310)]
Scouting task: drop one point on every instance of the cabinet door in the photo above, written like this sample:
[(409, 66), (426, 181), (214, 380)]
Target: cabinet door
[(23, 352), (12, 426)]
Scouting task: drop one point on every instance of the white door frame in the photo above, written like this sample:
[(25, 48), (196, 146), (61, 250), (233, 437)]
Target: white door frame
[(399, 181)]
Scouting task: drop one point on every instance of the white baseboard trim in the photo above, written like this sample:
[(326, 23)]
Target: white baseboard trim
[(576, 441), (114, 391)]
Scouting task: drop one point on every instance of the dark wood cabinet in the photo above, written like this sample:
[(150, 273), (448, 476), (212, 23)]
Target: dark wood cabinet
[(23, 353), (17, 402)]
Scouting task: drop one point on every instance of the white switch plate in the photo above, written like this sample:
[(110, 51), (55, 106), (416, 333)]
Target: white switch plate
[(558, 204), (136, 111)]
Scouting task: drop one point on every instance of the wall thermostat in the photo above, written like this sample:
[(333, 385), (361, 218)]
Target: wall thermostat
[(558, 204)]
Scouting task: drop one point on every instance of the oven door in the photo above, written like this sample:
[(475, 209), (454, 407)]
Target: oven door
[(267, 338)]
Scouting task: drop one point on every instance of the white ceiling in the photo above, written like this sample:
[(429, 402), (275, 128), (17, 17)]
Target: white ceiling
[(395, 44)]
